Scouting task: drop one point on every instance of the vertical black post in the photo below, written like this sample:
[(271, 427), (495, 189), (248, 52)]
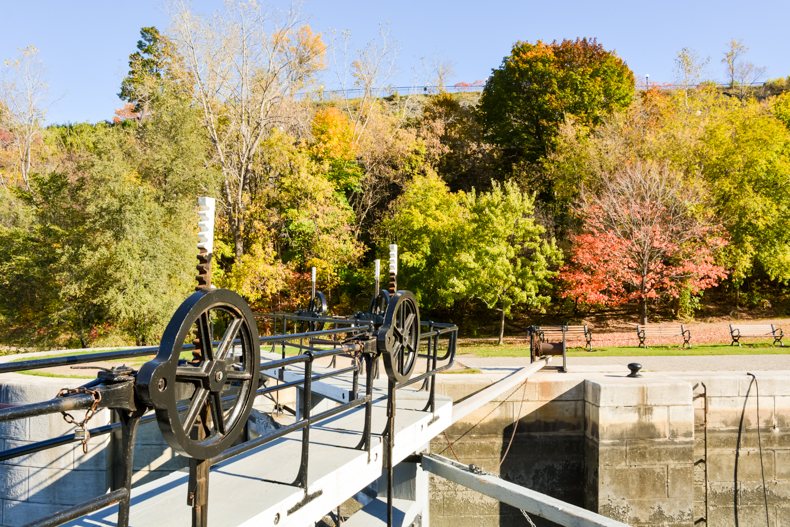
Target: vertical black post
[(390, 445), (123, 478), (531, 330), (432, 393), (197, 488), (365, 441), (355, 380), (307, 402), (197, 491)]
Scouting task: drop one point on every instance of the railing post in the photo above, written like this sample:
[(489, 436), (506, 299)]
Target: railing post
[(123, 478), (307, 402)]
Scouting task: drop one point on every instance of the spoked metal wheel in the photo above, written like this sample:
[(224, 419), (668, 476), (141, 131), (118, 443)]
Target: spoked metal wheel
[(203, 404), (378, 306), (317, 308), (399, 336)]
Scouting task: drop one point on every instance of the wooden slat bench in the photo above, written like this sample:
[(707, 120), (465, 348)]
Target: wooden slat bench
[(644, 332), (566, 333), (739, 331), (553, 340)]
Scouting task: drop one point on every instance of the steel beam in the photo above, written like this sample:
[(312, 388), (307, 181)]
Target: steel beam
[(477, 400), (530, 501)]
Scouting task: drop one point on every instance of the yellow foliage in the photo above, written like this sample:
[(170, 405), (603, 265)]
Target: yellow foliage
[(334, 134)]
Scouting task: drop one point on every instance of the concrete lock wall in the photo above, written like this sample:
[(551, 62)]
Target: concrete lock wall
[(40, 484), (645, 451), (669, 449), (546, 454)]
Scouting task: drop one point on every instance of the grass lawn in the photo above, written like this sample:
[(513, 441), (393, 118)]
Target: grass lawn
[(522, 350)]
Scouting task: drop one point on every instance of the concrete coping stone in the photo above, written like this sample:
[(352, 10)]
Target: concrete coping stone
[(653, 390)]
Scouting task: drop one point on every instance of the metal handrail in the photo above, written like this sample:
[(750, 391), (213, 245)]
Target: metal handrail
[(130, 417)]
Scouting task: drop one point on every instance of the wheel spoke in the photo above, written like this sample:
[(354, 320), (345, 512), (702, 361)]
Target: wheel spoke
[(239, 376), (227, 339), (204, 335), (190, 374), (195, 406), (408, 324), (216, 412)]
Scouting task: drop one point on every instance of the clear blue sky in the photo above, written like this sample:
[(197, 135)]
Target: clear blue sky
[(85, 45)]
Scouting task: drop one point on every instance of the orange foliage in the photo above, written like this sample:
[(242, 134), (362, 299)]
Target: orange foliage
[(334, 134)]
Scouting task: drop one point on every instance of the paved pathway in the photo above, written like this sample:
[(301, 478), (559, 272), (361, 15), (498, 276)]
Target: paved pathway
[(736, 363)]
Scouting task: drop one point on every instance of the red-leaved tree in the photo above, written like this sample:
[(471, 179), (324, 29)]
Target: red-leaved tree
[(645, 235)]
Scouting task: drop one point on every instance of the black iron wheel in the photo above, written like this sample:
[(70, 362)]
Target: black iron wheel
[(318, 305), (317, 308), (202, 403), (398, 338), (378, 305)]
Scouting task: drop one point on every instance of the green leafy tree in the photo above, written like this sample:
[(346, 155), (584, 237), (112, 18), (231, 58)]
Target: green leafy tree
[(746, 156), (539, 85), (508, 261), (101, 254), (429, 223), (485, 246), (153, 70)]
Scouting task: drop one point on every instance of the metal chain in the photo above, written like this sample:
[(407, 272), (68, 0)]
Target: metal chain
[(529, 520), (81, 431)]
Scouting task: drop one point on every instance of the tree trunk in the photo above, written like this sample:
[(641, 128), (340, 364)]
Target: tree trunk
[(644, 311), (502, 328), (238, 236)]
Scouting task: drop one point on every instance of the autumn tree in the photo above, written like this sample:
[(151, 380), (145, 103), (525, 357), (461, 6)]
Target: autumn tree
[(245, 71), (22, 89), (741, 74), (689, 67), (644, 237), (745, 155), (455, 142), (538, 85)]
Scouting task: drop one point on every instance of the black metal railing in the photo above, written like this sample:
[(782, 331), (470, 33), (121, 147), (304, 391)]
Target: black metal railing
[(133, 395)]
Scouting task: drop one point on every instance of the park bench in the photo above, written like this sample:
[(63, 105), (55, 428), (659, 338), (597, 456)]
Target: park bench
[(553, 340), (566, 333), (738, 331), (644, 332)]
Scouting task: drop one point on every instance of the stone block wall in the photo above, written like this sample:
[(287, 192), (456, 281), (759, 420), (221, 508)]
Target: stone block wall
[(546, 453), (748, 473), (40, 484), (639, 442), (672, 449)]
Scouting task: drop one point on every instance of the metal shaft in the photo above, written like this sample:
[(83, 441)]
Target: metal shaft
[(393, 283), (377, 276)]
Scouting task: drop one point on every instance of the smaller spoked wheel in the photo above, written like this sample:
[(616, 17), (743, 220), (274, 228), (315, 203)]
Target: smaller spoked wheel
[(398, 338), (203, 382), (378, 305), (318, 305), (317, 308)]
